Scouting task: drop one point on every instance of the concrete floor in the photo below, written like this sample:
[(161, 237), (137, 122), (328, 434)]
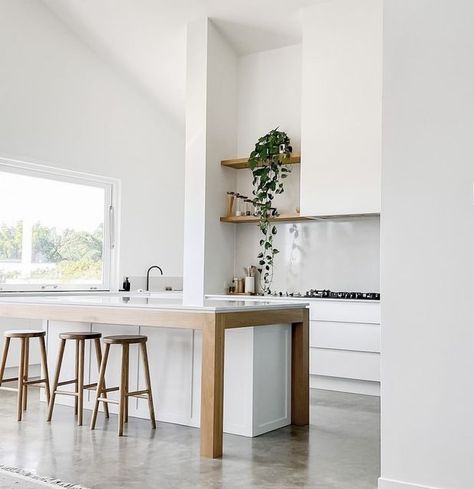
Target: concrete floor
[(339, 450)]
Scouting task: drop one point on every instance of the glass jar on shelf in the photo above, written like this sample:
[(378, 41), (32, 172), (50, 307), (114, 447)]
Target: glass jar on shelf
[(249, 207)]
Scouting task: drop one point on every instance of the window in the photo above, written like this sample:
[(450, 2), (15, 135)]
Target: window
[(56, 229)]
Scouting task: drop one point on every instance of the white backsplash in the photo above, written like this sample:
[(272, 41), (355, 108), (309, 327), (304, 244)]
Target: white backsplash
[(158, 283), (331, 254)]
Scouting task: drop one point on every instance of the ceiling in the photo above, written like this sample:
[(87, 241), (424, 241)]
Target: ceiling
[(145, 39)]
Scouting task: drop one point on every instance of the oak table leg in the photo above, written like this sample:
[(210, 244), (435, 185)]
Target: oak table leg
[(300, 371), (212, 387)]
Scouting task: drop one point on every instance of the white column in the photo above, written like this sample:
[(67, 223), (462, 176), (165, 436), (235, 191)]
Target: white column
[(427, 245), (211, 135)]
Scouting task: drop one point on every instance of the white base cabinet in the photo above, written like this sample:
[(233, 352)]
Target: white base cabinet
[(256, 385), (345, 338), (345, 341)]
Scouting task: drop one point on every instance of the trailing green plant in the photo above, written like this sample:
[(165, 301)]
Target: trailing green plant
[(268, 168)]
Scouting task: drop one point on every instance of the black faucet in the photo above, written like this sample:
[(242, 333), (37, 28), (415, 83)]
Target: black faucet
[(148, 276)]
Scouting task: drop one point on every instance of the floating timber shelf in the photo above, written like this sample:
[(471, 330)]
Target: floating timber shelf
[(280, 218), (241, 163), (296, 218)]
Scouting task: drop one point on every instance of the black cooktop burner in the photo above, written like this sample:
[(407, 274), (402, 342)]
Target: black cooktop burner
[(328, 294)]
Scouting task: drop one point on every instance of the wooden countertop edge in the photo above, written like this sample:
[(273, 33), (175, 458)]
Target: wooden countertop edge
[(190, 319)]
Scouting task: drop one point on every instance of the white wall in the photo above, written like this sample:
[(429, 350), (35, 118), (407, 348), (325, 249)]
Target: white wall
[(211, 122), (341, 107), (427, 245), (269, 95), (336, 255), (221, 144), (62, 105)]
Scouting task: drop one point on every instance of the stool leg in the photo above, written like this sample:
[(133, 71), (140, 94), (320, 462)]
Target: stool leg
[(21, 368), (100, 385), (146, 370), (80, 386), (56, 378), (127, 390), (6, 346), (44, 361), (123, 388), (25, 373), (76, 376), (98, 354)]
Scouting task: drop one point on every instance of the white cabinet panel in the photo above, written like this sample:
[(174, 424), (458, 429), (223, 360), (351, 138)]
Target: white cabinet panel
[(341, 128), (272, 378), (345, 311), (345, 364), (170, 356), (345, 336)]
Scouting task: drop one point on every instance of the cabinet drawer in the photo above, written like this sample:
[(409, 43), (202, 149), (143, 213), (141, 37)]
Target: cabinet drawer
[(345, 364), (345, 336), (334, 310)]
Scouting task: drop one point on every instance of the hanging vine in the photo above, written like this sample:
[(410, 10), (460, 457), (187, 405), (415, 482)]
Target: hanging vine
[(267, 163)]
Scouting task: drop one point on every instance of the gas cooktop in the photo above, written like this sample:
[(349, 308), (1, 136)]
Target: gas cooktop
[(329, 294)]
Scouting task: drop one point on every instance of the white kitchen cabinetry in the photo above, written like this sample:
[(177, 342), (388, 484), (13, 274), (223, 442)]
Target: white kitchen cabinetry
[(341, 108), (345, 345), (257, 374)]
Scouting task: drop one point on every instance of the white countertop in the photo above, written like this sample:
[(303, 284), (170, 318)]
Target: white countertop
[(159, 303)]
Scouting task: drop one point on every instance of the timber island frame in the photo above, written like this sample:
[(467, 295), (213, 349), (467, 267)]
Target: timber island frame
[(213, 324)]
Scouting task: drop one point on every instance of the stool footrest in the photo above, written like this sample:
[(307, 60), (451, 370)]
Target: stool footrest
[(110, 389), (139, 393), (11, 379), (66, 382), (107, 400), (90, 386), (66, 393), (9, 389), (35, 381)]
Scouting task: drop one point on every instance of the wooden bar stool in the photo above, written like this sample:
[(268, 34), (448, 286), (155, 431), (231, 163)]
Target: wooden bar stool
[(23, 379), (125, 394), (78, 381)]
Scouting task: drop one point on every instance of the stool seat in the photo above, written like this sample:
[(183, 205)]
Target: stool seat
[(80, 335), (23, 380), (125, 339), (24, 333), (80, 338)]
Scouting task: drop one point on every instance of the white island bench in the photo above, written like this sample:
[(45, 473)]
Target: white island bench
[(109, 314)]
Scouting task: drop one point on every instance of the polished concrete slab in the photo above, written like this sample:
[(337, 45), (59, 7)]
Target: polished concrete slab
[(339, 450)]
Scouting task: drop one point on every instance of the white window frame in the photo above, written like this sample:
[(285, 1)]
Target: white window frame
[(110, 249)]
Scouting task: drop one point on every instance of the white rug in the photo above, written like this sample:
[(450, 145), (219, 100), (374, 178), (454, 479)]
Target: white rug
[(15, 478)]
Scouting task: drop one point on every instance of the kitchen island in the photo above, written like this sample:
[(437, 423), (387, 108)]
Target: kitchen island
[(212, 319)]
